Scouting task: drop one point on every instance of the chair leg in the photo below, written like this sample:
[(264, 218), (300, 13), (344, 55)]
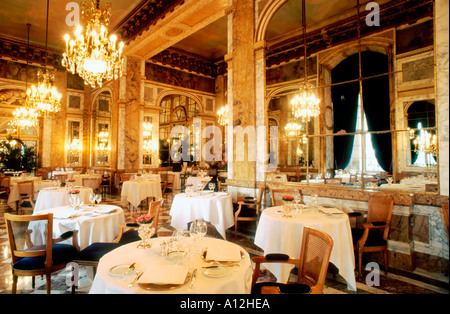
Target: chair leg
[(235, 229), (14, 284), (386, 262), (360, 254), (48, 278)]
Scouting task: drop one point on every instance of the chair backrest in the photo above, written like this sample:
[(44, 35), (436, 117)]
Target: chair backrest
[(18, 228), (333, 180), (277, 195), (353, 178), (445, 212), (126, 177), (314, 258), (170, 178), (5, 181), (25, 189), (154, 209), (93, 183), (380, 209)]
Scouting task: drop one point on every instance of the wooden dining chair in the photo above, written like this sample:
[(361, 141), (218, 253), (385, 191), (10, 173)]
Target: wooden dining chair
[(276, 195), (168, 186), (124, 177), (26, 196), (312, 266), (62, 178), (5, 182), (373, 237), (249, 209), (107, 180), (28, 259)]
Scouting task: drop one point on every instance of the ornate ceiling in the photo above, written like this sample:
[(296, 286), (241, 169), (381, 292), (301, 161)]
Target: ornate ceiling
[(196, 30)]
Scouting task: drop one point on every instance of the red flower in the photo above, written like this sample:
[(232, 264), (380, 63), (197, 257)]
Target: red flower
[(145, 219), (288, 198), (74, 191)]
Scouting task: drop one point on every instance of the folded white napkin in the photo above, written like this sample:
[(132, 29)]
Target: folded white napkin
[(63, 213), (328, 210), (226, 252), (104, 209), (164, 274)]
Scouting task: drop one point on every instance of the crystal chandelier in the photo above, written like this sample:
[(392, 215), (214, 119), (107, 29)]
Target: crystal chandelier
[(425, 142), (91, 54), (24, 117), (292, 129), (305, 104), (44, 98), (222, 114)]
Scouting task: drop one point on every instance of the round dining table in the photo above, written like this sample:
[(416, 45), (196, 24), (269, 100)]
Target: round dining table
[(230, 278), (79, 178), (216, 207), (135, 191), (51, 197), (279, 234), (99, 223)]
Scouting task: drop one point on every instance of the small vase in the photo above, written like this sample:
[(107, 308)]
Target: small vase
[(145, 231)]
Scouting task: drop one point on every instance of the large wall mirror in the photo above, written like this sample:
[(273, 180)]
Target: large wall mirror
[(102, 129)]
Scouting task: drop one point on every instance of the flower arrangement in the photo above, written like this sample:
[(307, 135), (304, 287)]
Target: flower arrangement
[(74, 192), (145, 219), (71, 180), (288, 198)]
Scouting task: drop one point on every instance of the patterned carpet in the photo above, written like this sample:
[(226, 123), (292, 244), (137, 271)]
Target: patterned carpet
[(396, 282)]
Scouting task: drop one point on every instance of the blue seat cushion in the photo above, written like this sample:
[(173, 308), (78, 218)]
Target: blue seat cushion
[(61, 254), (95, 251), (375, 237)]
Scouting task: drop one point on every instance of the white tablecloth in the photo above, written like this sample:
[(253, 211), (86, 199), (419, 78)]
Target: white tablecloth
[(136, 191), (177, 181), (94, 224), (56, 197), (277, 234), (400, 186), (196, 180), (237, 281), (217, 208), (14, 191), (69, 173)]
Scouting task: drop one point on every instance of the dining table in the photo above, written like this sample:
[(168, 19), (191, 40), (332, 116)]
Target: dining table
[(99, 223), (51, 197), (280, 233), (214, 207), (14, 196), (78, 178), (220, 268), (135, 191)]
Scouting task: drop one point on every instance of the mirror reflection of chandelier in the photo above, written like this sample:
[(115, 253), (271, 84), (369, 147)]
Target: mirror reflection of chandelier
[(305, 104), (292, 129), (92, 54), (425, 144), (24, 117), (222, 114)]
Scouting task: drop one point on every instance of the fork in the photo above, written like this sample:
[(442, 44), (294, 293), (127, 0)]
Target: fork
[(138, 275)]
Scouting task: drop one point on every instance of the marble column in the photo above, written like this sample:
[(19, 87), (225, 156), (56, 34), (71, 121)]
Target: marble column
[(442, 87), (242, 78), (132, 110)]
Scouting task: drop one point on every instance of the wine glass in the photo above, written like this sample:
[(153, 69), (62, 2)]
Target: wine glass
[(202, 228), (211, 186), (92, 197), (98, 198)]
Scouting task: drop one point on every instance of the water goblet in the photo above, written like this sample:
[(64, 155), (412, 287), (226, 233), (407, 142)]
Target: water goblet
[(202, 228), (211, 186), (98, 198), (92, 197)]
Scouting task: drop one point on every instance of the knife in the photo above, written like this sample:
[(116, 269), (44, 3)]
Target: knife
[(193, 276)]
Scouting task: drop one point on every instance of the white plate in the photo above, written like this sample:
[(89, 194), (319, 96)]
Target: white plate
[(119, 270), (217, 272)]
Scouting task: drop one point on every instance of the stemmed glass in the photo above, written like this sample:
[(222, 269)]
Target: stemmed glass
[(98, 198), (211, 186), (92, 198), (202, 228)]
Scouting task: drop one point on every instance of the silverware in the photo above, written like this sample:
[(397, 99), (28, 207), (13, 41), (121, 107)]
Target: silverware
[(193, 277), (129, 270), (138, 275)]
